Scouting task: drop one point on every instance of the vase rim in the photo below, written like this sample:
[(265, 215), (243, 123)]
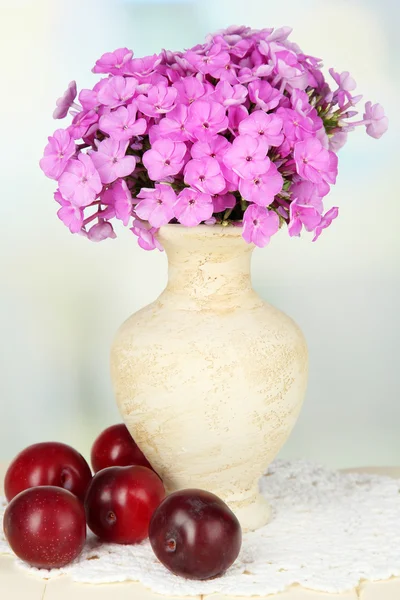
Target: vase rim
[(229, 231)]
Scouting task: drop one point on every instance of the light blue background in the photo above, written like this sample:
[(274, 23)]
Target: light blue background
[(62, 298)]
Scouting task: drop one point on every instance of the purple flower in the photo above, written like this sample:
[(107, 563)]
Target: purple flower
[(70, 215), (118, 90), (264, 95), (338, 140), (375, 120), (81, 123), (204, 174), (259, 225), (247, 156), (269, 126), (101, 231), (325, 221), (236, 114), (295, 126), (308, 194), (263, 187), (119, 198), (345, 84), (313, 162), (229, 95), (192, 207), (160, 99), (189, 89), (206, 119), (80, 182), (211, 63), (113, 62), (165, 158), (121, 124), (64, 103), (146, 235), (174, 125), (302, 215), (223, 202), (59, 150), (156, 205), (111, 161), (215, 148)]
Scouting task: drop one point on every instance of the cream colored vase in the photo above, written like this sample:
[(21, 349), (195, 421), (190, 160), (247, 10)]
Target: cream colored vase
[(209, 378)]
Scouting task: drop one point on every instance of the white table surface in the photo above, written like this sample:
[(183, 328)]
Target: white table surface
[(15, 584)]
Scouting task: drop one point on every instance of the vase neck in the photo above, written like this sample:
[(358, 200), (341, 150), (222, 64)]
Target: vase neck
[(208, 267)]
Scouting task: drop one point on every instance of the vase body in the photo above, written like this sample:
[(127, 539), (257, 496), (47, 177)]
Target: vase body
[(209, 378)]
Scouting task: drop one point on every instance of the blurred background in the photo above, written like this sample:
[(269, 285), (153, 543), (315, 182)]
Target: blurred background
[(62, 298)]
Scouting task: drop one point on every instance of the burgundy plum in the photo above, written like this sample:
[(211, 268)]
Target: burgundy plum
[(115, 447), (195, 535), (48, 463), (45, 526), (121, 501)]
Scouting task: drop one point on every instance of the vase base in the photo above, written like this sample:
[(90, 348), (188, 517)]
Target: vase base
[(254, 514)]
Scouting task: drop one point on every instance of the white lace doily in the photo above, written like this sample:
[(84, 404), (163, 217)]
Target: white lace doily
[(329, 531)]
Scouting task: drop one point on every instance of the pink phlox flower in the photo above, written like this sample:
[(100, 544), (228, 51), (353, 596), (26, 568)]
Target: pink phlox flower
[(326, 221), (206, 119), (111, 160), (259, 225), (192, 207), (159, 100), (241, 48), (189, 89), (143, 68), (346, 84), (113, 62), (173, 126), (214, 147), (236, 114), (147, 235), (82, 122), (165, 158), (300, 215), (301, 104), (70, 215), (289, 70), (223, 202), (260, 124), (101, 231), (295, 126), (229, 95), (247, 156), (204, 174), (156, 205), (118, 90), (59, 150), (89, 98), (119, 198), (80, 182), (375, 120), (263, 187), (121, 124), (313, 162), (64, 103), (307, 194), (264, 95), (337, 141), (211, 63)]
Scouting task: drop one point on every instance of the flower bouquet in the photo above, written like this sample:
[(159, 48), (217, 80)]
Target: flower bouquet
[(241, 130)]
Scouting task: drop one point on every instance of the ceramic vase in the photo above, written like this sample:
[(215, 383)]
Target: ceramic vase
[(210, 378)]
